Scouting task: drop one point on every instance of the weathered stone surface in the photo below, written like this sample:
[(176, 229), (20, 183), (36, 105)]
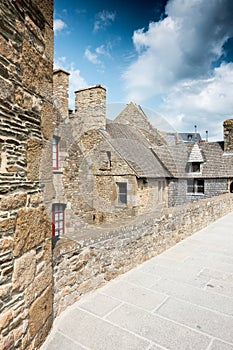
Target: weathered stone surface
[(13, 202), (42, 334), (38, 285), (40, 311), (7, 343), (32, 227), (228, 135), (7, 224), (36, 68), (24, 270), (26, 70), (5, 319), (48, 119), (34, 152), (6, 244), (47, 11)]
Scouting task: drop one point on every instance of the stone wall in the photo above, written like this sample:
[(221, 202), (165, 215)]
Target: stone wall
[(228, 135), (61, 91), (178, 195), (26, 122), (90, 108), (80, 267)]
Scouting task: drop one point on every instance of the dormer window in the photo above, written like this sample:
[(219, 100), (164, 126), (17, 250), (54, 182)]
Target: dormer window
[(195, 160), (190, 137), (195, 167)]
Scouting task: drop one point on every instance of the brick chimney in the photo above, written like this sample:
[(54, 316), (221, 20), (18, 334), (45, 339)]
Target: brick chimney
[(90, 107), (228, 135), (61, 91)]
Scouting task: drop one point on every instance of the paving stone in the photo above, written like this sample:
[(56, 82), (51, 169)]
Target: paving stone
[(167, 261), (136, 295), (214, 261), (212, 323), (194, 295), (99, 304), (220, 287), (189, 275), (218, 345), (97, 334), (218, 275), (177, 254), (60, 341), (157, 347), (140, 278), (157, 329)]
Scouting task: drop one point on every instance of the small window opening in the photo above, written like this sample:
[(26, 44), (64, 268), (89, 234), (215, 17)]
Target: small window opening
[(195, 186), (58, 219), (122, 192), (55, 151)]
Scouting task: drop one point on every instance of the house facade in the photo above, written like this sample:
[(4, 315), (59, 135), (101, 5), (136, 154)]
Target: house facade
[(108, 171)]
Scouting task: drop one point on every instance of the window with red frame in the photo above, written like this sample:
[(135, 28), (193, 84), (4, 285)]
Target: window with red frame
[(55, 152), (58, 219)]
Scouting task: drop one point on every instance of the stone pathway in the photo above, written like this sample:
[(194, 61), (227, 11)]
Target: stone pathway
[(179, 300)]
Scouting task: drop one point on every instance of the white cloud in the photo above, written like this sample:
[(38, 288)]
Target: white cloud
[(103, 19), (59, 62), (92, 57), (206, 102), (103, 50), (76, 80), (175, 57), (58, 25)]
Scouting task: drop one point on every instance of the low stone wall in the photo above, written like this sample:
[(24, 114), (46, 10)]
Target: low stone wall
[(79, 269)]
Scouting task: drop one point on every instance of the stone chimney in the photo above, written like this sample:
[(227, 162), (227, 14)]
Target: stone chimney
[(61, 91), (90, 107), (228, 135)]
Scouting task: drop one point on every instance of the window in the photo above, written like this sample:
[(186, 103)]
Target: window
[(195, 167), (55, 152), (190, 137), (161, 186), (58, 219), (195, 186), (122, 192)]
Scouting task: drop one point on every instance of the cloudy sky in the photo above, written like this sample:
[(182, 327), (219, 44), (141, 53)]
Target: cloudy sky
[(174, 57)]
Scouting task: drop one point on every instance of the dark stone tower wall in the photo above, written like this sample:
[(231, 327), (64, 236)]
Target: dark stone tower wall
[(26, 123)]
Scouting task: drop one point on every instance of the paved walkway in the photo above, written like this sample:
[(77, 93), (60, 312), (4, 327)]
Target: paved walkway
[(179, 300)]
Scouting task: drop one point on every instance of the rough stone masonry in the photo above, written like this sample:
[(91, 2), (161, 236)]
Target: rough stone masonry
[(26, 123)]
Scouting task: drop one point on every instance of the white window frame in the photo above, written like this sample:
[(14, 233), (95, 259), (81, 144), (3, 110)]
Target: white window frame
[(122, 191)]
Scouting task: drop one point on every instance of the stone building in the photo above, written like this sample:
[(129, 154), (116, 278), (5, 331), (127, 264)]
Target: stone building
[(26, 123), (110, 171)]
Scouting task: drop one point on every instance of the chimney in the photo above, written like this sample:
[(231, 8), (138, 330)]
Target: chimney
[(61, 91), (228, 135), (90, 107)]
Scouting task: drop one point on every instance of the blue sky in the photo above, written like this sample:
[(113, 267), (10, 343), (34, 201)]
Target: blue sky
[(174, 57)]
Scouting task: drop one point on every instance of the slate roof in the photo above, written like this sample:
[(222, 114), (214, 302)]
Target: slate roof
[(217, 164), (151, 154), (195, 154), (189, 137), (133, 147)]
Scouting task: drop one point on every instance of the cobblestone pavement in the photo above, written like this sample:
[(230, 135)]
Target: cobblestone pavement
[(179, 300)]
